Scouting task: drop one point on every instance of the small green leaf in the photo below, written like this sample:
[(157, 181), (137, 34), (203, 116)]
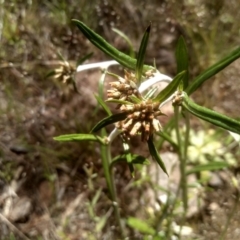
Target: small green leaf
[(125, 37), (211, 116), (135, 159), (167, 137), (155, 155), (213, 166), (214, 69), (103, 105), (107, 48), (119, 101), (170, 89), (84, 58), (109, 120), (50, 74), (182, 59), (141, 55), (77, 137), (141, 226)]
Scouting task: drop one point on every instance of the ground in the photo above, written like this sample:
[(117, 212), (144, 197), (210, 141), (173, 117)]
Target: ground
[(52, 190)]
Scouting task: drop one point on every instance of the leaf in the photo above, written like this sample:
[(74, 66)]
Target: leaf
[(165, 136), (141, 55), (211, 116), (135, 159), (140, 225), (170, 89), (155, 155), (214, 69), (213, 166), (125, 37), (103, 105), (119, 101), (107, 48), (109, 120), (77, 137), (50, 74), (84, 58), (182, 59)]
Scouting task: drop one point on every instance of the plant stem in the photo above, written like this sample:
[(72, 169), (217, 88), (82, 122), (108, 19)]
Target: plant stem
[(182, 158), (106, 159)]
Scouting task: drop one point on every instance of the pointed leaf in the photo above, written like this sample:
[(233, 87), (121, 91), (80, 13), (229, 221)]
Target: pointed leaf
[(119, 101), (140, 225), (171, 88), (213, 166), (155, 155), (107, 48), (83, 59), (141, 55), (211, 116), (135, 159), (103, 104), (125, 37), (109, 120), (214, 69), (77, 137), (182, 59)]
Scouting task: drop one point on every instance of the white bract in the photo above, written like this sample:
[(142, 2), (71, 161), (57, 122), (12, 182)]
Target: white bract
[(145, 85)]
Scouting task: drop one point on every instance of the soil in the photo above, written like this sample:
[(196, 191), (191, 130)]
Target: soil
[(47, 187)]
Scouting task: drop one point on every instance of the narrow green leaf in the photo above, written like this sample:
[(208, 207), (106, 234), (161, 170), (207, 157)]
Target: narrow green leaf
[(84, 58), (141, 55), (125, 37), (109, 120), (168, 138), (182, 59), (103, 105), (214, 69), (213, 166), (135, 159), (171, 88), (50, 74), (107, 48), (154, 153), (77, 137), (140, 225), (119, 101), (211, 116)]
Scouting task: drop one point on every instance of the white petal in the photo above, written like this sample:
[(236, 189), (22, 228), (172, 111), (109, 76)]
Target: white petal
[(158, 77), (115, 132), (103, 65)]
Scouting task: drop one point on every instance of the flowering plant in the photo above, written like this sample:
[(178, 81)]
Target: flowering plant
[(140, 105)]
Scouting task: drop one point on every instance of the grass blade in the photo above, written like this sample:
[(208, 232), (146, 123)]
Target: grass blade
[(211, 116), (214, 69), (182, 59), (77, 137), (170, 89), (109, 120), (107, 48), (155, 155), (141, 55)]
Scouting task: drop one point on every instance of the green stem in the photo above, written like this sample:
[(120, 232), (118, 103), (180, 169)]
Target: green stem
[(106, 159), (182, 158)]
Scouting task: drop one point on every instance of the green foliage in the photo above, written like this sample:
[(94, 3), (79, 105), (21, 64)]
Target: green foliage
[(107, 48), (171, 88), (141, 55), (182, 60), (211, 116)]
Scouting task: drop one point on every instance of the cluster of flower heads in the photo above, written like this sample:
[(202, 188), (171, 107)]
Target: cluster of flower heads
[(141, 113), (65, 72)]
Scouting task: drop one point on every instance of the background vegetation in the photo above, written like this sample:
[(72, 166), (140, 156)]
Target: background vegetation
[(51, 190)]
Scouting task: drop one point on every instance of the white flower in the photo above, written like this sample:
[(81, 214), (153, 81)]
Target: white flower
[(156, 77)]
